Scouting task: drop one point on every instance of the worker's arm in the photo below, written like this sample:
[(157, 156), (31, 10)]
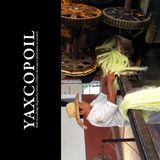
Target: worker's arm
[(108, 87)]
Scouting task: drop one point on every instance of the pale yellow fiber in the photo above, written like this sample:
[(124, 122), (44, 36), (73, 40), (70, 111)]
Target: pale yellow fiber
[(110, 59), (146, 99)]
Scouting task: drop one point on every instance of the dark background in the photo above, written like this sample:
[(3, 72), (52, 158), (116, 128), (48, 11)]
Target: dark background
[(21, 17)]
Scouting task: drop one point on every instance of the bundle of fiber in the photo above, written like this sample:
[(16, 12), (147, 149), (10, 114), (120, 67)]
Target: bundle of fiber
[(146, 99)]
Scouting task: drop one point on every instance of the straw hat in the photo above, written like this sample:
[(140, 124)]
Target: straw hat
[(72, 109)]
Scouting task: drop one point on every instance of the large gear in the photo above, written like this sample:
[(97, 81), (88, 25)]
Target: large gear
[(131, 20), (82, 66), (79, 15)]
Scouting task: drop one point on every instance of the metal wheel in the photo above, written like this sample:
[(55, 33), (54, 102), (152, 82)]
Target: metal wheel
[(79, 15), (131, 19), (77, 67)]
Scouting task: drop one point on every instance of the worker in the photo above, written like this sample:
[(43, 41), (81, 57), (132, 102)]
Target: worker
[(103, 110)]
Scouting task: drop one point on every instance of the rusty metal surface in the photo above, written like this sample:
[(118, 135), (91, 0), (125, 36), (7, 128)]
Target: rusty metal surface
[(140, 130)]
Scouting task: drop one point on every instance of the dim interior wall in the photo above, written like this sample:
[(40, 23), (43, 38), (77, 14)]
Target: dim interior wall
[(72, 139), (71, 89)]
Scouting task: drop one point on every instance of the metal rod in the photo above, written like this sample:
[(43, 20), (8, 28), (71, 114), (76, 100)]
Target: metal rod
[(118, 140), (76, 40), (121, 86)]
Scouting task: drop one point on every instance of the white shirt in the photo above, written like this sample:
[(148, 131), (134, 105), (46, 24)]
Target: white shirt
[(106, 114)]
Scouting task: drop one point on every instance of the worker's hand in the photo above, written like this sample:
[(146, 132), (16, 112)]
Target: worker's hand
[(109, 78)]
